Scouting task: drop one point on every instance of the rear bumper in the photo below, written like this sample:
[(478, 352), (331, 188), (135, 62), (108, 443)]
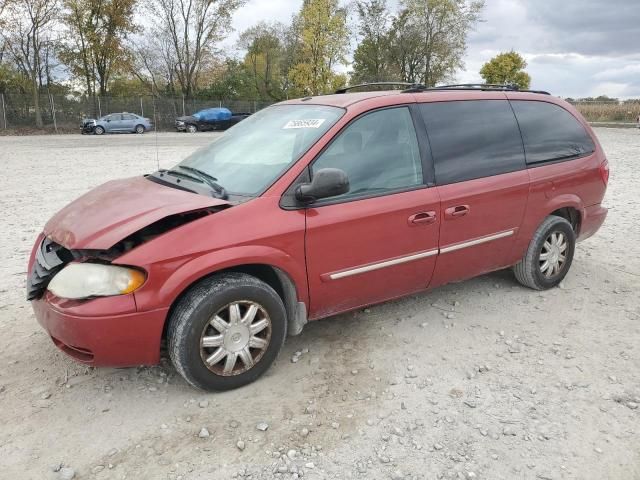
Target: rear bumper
[(592, 219), (113, 339)]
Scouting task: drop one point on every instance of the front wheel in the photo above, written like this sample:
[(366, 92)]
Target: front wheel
[(139, 129), (226, 331), (98, 130), (192, 128), (549, 255)]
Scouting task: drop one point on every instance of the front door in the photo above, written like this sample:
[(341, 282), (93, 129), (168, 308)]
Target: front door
[(380, 240), (482, 182)]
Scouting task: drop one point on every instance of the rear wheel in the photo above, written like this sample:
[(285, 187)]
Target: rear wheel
[(549, 255), (98, 130), (192, 128), (226, 331), (139, 129)]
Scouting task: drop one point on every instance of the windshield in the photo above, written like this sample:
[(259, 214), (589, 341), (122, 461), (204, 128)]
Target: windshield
[(256, 151)]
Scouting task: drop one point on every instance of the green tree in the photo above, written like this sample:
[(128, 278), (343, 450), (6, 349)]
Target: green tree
[(324, 40), (371, 58), (429, 38), (506, 68), (265, 54)]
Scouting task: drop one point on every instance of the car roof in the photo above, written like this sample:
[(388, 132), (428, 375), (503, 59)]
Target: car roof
[(345, 100)]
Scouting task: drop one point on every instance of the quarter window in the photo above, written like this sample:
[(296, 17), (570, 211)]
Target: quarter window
[(379, 153), (472, 139), (550, 132)]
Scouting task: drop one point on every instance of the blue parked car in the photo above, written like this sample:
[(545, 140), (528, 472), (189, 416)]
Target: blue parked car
[(117, 122), (209, 119)]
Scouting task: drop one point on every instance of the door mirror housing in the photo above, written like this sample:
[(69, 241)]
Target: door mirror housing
[(326, 182)]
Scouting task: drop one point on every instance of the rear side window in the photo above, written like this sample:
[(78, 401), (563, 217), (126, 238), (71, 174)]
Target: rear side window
[(128, 116), (550, 132), (472, 139)]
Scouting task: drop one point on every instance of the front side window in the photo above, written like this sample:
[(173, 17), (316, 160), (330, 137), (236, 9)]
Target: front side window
[(550, 133), (378, 152), (472, 139), (255, 152)]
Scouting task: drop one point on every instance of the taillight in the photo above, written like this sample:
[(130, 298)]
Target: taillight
[(604, 171)]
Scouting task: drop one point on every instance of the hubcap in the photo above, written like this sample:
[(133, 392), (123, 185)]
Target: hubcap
[(235, 338), (553, 254)]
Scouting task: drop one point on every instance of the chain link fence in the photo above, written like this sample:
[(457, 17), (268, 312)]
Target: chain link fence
[(61, 113)]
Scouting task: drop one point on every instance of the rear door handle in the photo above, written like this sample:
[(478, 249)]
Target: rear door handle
[(457, 211), (422, 218)]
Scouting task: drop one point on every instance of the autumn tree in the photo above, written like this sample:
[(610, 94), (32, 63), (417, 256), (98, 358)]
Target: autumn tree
[(190, 30), (27, 31), (371, 58), (323, 39), (506, 68), (97, 30)]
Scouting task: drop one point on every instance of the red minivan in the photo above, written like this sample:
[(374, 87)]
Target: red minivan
[(310, 208)]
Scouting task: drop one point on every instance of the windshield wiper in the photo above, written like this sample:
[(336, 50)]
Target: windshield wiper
[(208, 179)]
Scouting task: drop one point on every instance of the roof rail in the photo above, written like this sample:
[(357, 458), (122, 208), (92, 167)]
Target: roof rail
[(472, 86), (373, 84)]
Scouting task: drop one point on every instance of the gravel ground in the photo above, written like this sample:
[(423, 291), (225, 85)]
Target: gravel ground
[(483, 379)]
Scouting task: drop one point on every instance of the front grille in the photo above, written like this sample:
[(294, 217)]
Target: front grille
[(50, 258)]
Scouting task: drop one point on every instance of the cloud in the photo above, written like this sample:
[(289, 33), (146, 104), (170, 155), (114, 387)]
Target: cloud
[(574, 48)]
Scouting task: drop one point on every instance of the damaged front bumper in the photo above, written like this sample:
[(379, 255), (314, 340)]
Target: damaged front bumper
[(104, 331)]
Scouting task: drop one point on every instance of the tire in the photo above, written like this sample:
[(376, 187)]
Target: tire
[(531, 271), (139, 129), (192, 321), (98, 130), (191, 128)]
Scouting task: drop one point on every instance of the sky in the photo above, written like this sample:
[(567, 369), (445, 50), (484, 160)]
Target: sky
[(574, 48)]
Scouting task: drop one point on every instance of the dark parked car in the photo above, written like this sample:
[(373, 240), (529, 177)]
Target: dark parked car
[(116, 122), (312, 208), (209, 119)]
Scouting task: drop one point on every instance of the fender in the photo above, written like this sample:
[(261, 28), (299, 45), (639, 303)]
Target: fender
[(167, 282), (562, 201), (540, 207)]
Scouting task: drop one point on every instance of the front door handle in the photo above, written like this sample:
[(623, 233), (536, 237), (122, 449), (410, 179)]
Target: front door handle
[(457, 211), (422, 218)]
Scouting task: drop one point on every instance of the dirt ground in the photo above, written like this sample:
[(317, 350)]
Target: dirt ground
[(483, 379)]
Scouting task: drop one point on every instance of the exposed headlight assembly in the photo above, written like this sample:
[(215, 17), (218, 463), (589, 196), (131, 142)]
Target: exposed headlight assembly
[(84, 280)]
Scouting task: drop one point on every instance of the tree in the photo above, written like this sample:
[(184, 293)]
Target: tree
[(191, 29), (506, 68), (265, 53), (323, 38), (429, 38), (26, 32), (97, 31), (371, 57)]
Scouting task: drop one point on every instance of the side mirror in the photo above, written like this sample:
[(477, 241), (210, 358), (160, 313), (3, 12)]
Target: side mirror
[(326, 182)]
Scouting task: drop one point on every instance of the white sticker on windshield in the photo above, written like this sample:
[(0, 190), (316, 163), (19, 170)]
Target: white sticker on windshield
[(308, 123)]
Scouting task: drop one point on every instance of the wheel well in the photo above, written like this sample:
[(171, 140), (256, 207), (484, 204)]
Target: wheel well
[(272, 276), (571, 215)]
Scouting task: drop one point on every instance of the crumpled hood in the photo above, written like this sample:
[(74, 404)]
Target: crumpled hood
[(108, 213), (187, 118)]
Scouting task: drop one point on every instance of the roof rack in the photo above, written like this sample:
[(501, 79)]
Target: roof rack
[(472, 86), (374, 84)]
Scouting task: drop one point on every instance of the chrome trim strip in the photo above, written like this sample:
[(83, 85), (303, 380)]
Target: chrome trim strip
[(384, 264), (477, 241)]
